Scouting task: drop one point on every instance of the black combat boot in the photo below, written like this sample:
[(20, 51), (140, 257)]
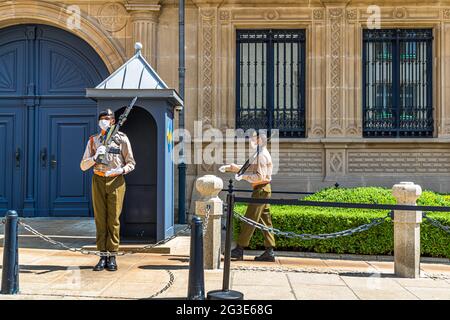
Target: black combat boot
[(237, 253), (267, 255), (100, 265), (111, 265)]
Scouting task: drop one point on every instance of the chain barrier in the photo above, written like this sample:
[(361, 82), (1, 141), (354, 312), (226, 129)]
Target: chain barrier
[(436, 223), (166, 287), (307, 236), (108, 254), (97, 253), (206, 219)]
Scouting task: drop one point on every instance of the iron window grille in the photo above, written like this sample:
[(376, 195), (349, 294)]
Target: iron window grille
[(270, 86), (397, 83)]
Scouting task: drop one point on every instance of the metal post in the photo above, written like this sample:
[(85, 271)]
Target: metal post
[(10, 272), (196, 288), (181, 74), (226, 293)]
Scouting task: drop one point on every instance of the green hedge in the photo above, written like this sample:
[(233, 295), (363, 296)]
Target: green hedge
[(376, 241)]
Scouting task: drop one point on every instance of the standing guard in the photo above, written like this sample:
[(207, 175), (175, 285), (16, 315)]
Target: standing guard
[(110, 164), (260, 176)]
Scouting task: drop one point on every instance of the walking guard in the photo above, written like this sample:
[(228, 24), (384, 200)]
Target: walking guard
[(111, 161), (259, 174)]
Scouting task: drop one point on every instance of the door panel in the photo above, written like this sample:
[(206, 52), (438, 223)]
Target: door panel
[(12, 62), (65, 188), (44, 72), (11, 160)]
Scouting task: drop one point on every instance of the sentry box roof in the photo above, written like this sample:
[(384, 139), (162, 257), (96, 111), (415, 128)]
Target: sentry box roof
[(136, 78)]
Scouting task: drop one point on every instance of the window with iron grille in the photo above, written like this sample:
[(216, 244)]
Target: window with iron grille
[(397, 83), (270, 86)]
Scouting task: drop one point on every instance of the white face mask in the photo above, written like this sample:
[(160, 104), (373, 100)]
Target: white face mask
[(104, 124)]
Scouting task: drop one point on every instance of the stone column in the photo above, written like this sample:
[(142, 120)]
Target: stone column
[(407, 231), (144, 17), (209, 187)]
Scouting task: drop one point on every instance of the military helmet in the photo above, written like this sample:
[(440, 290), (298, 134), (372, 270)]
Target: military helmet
[(106, 113)]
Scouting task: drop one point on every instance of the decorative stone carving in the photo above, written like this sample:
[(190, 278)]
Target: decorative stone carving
[(352, 14), (336, 162), (335, 70), (271, 15), (113, 16), (225, 15), (318, 14), (208, 20), (446, 13), (318, 132), (399, 13)]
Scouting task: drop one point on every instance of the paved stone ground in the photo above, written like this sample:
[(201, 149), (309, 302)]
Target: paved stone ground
[(49, 273)]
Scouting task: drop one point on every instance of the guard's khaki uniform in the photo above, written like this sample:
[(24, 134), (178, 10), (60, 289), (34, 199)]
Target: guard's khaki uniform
[(260, 175), (108, 192)]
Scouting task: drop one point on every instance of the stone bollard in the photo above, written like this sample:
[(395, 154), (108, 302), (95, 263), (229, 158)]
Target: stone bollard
[(209, 187), (407, 231)]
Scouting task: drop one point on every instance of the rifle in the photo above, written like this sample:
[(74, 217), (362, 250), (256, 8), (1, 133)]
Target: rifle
[(250, 160), (113, 131)]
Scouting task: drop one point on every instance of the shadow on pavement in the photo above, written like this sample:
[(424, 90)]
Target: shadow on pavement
[(368, 274), (163, 267), (47, 269)]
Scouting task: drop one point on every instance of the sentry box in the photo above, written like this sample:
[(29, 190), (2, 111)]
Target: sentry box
[(148, 209)]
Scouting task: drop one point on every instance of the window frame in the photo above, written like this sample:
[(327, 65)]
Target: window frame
[(397, 36), (269, 94)]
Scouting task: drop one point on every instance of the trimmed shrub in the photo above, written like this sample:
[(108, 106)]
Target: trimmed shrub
[(378, 240)]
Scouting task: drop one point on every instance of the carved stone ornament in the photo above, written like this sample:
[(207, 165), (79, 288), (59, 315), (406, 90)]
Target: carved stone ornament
[(352, 14), (399, 13), (318, 14), (113, 16), (224, 15), (336, 162), (271, 15), (446, 13)]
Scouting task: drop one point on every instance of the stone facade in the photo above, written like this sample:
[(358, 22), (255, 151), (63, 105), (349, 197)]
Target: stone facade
[(334, 149)]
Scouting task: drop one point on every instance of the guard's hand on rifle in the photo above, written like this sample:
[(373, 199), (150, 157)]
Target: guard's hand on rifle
[(100, 150), (114, 172), (237, 177)]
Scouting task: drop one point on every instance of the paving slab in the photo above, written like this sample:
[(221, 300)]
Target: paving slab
[(319, 279), (48, 272), (323, 292)]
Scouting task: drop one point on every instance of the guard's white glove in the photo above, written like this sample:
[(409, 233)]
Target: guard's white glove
[(224, 168), (100, 150), (114, 172), (237, 177)]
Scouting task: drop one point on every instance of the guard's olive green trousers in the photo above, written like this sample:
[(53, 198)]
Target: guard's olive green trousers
[(259, 213), (107, 197)]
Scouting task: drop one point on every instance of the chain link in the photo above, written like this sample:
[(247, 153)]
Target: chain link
[(206, 219), (166, 287), (306, 236), (436, 223), (97, 253)]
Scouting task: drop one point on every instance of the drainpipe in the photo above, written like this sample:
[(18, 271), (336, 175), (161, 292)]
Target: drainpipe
[(181, 74)]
